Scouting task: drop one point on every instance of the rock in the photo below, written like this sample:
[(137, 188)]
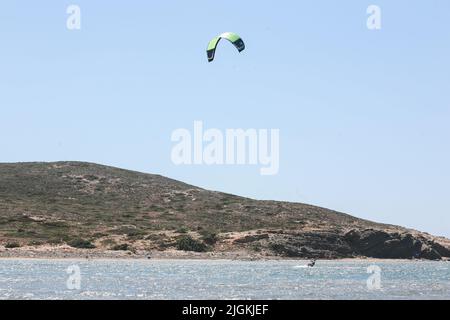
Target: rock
[(385, 245), (322, 245), (252, 238), (440, 249), (430, 254), (287, 250)]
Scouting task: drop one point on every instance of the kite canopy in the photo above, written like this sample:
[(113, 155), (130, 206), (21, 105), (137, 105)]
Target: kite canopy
[(230, 36)]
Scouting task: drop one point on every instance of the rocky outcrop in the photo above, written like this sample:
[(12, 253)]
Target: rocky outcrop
[(382, 244), (356, 243), (324, 245)]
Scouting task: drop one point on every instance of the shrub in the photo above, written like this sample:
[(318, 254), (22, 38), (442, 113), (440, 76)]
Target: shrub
[(187, 243), (121, 247), (209, 237), (136, 234), (154, 237), (182, 230), (99, 235), (81, 244), (256, 247), (11, 245), (35, 243), (55, 241), (108, 242)]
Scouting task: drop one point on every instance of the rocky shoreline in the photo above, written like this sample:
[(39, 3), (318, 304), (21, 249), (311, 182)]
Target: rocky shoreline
[(371, 243), (85, 254), (354, 244)]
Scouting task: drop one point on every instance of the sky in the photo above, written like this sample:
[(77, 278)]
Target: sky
[(363, 114)]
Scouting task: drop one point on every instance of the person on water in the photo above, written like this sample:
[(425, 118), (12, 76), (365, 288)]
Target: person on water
[(312, 263)]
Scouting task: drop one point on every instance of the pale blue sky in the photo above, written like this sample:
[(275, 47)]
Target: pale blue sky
[(363, 115)]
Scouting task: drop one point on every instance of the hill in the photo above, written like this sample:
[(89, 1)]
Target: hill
[(101, 208)]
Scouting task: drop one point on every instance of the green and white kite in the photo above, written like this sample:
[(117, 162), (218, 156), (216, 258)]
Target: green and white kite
[(230, 36)]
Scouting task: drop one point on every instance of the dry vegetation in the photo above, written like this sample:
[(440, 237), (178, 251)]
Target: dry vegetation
[(86, 205)]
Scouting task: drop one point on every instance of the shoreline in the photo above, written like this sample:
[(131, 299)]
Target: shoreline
[(68, 253)]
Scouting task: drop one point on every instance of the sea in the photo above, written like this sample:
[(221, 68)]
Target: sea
[(223, 279)]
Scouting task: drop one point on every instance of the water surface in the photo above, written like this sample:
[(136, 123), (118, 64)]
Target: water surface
[(201, 279)]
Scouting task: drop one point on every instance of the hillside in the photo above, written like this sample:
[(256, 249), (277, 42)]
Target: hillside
[(103, 208)]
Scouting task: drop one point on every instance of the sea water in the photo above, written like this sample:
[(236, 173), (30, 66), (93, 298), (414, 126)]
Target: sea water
[(222, 279)]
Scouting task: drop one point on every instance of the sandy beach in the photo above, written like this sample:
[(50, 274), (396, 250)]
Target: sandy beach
[(67, 252)]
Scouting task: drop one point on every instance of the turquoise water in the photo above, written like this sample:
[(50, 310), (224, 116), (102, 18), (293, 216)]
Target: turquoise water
[(178, 279)]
